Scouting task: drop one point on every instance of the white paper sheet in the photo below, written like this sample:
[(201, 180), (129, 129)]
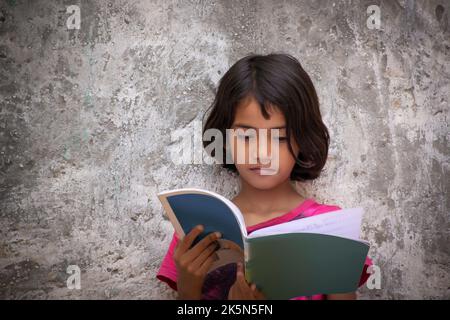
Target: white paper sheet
[(344, 223)]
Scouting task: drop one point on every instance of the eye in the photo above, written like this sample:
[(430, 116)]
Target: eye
[(244, 136), (283, 139)]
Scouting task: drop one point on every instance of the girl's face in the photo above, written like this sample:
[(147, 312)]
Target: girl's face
[(248, 116)]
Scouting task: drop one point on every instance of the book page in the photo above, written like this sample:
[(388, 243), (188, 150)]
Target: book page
[(344, 223), (229, 252)]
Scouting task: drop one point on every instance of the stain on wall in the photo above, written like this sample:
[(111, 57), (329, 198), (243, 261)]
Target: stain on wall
[(86, 117)]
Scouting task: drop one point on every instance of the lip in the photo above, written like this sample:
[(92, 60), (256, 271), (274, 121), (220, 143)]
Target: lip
[(263, 171)]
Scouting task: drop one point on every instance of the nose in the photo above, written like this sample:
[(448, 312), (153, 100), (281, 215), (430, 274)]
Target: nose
[(262, 151)]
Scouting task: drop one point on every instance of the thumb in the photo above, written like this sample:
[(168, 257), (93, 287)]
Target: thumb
[(256, 293), (240, 270)]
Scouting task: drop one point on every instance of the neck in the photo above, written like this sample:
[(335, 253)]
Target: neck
[(265, 201)]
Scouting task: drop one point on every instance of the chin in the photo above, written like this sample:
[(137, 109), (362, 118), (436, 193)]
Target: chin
[(261, 186), (262, 182)]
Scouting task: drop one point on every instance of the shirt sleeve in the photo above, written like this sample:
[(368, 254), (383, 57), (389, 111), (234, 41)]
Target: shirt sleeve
[(365, 275), (168, 271)]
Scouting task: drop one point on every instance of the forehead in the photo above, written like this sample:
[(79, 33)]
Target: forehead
[(248, 113)]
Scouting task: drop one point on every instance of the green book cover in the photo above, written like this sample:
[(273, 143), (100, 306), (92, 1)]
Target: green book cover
[(288, 265)]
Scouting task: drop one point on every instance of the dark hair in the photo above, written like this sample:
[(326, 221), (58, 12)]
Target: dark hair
[(276, 79)]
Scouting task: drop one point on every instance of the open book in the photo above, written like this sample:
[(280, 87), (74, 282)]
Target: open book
[(321, 254)]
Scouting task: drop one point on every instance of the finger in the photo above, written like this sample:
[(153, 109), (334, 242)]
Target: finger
[(236, 293), (240, 278), (195, 251), (203, 269), (242, 283), (228, 244), (210, 250), (187, 241), (258, 294), (247, 288), (232, 292)]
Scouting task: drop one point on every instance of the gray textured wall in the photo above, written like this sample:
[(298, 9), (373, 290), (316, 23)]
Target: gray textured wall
[(86, 117)]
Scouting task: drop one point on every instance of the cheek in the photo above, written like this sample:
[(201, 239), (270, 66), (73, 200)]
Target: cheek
[(287, 161), (243, 152)]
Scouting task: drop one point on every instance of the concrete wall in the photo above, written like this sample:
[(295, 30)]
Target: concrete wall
[(86, 117)]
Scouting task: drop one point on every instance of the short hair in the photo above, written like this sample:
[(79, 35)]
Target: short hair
[(276, 79)]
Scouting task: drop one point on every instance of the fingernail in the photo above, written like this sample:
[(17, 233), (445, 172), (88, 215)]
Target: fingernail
[(200, 227), (218, 234)]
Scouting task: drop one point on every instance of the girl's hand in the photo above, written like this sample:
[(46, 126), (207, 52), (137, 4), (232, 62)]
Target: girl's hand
[(242, 290), (193, 263)]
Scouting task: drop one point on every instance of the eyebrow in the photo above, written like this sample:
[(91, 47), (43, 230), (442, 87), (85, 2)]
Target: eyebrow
[(240, 125)]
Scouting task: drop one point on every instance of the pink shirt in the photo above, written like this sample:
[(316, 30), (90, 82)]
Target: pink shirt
[(218, 282)]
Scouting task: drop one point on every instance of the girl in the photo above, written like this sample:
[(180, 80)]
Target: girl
[(258, 92)]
